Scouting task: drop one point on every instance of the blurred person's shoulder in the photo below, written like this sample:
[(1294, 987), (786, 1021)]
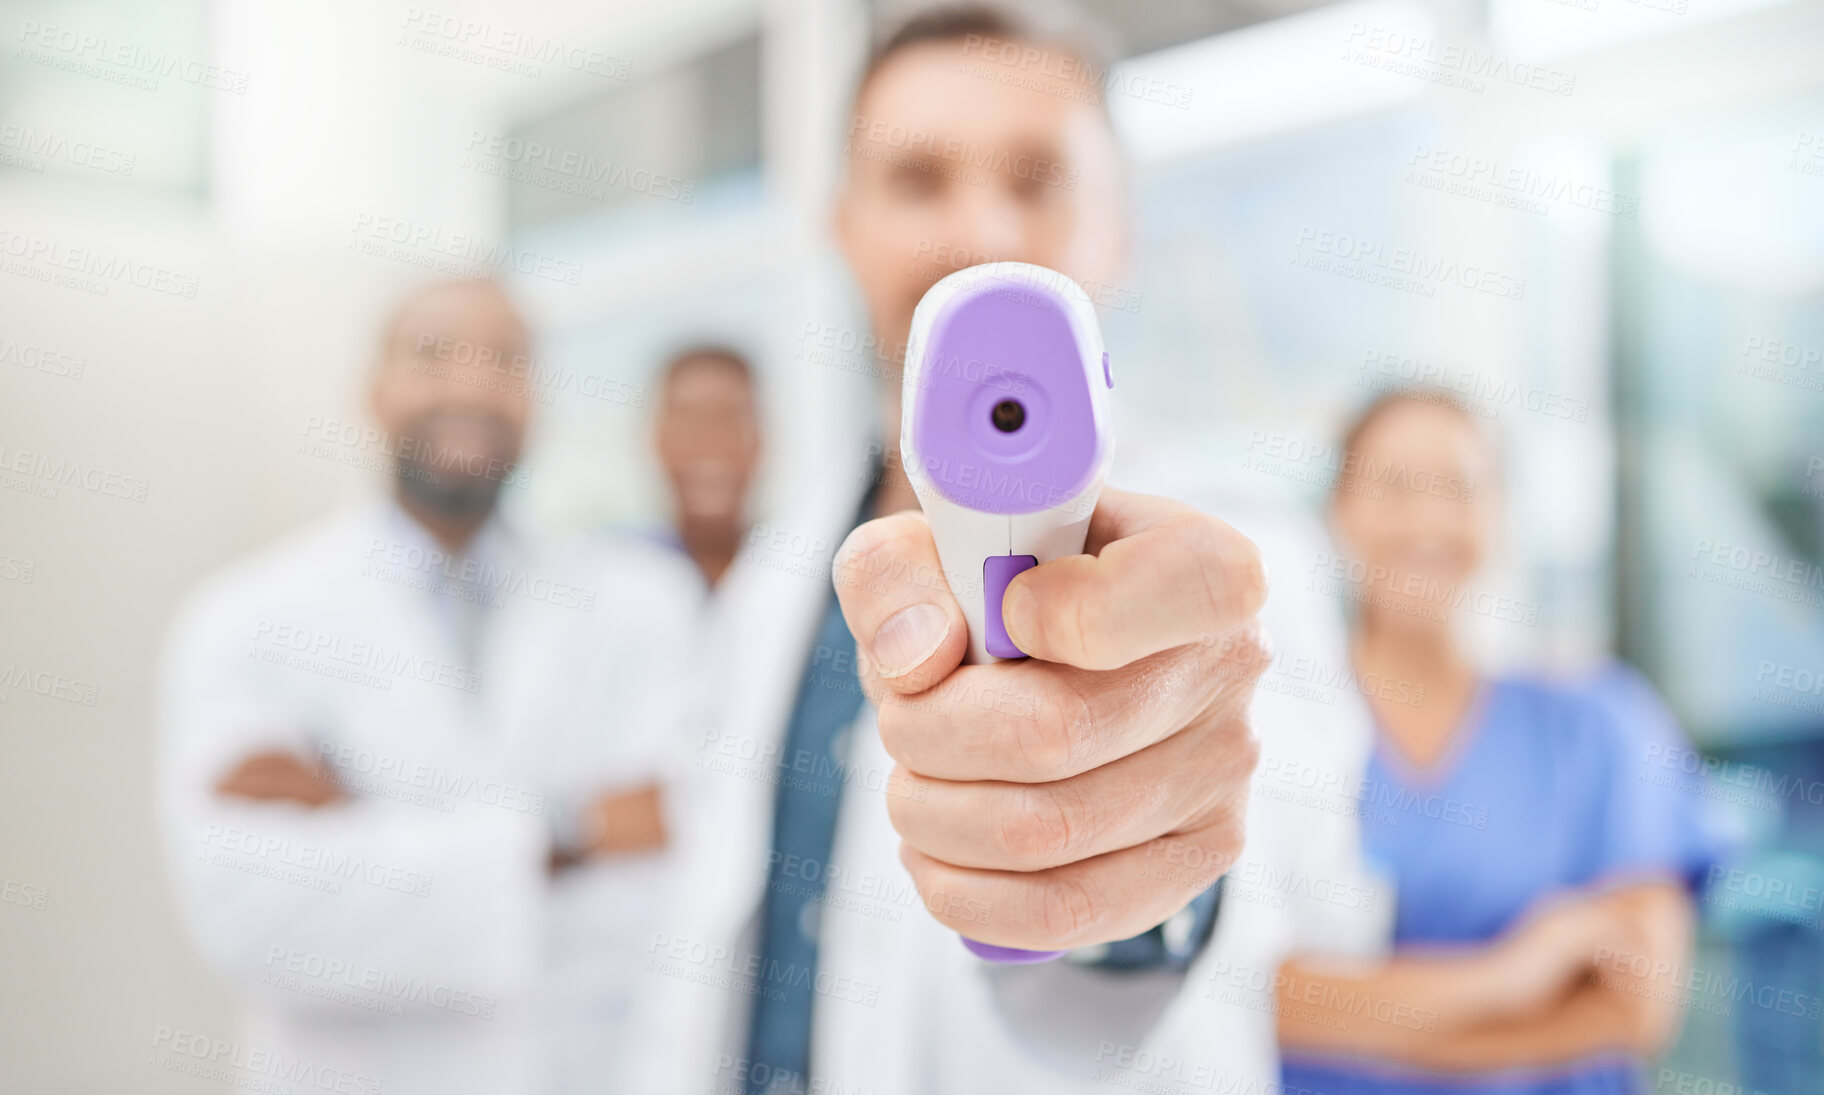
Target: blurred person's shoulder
[(632, 577), (1607, 706), (309, 566)]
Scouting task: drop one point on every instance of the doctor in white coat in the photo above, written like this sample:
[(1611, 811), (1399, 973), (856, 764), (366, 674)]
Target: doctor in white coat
[(378, 735), (862, 800)]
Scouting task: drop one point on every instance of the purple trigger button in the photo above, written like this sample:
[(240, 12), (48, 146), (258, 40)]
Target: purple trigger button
[(1012, 956), (997, 571), (1107, 374)]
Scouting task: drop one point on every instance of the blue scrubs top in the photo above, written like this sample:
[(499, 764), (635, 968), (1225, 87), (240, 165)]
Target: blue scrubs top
[(1547, 786)]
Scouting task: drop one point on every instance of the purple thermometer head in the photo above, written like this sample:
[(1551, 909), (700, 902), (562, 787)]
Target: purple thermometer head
[(1006, 421)]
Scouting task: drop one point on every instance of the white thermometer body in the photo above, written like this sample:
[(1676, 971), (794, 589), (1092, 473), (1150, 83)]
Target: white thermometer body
[(1006, 436)]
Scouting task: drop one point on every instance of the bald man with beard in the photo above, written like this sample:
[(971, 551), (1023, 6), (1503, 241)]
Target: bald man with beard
[(398, 746)]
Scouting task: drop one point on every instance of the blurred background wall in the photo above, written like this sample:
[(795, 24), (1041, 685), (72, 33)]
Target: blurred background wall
[(205, 207)]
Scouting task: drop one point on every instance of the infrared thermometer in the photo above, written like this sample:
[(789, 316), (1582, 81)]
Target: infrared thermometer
[(1005, 434)]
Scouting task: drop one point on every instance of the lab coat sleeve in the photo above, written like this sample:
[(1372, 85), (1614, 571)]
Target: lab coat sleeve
[(369, 908)]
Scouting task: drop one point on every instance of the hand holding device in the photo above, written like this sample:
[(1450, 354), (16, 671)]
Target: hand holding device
[(1005, 436), (1091, 791)]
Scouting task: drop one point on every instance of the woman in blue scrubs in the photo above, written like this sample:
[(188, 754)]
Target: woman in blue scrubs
[(1541, 875)]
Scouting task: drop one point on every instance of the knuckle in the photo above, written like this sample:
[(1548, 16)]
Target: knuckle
[(890, 719), (1093, 630), (1229, 569), (1047, 741), (1066, 910), (900, 808), (1243, 571), (1037, 832), (1241, 656), (1246, 752), (1225, 837), (1218, 845)]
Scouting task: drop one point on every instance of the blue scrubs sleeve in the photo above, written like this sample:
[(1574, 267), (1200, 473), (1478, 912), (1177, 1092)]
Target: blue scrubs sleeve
[(1647, 823)]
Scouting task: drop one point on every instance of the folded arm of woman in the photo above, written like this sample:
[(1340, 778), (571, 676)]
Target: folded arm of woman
[(1591, 973)]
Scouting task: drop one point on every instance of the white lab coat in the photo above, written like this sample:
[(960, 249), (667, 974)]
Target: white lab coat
[(901, 1006), (400, 937)]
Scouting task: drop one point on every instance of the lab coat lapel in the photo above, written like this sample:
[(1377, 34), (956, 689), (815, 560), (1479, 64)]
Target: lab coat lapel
[(766, 617)]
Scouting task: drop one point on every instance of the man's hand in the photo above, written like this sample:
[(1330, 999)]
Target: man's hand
[(278, 776), (1087, 794)]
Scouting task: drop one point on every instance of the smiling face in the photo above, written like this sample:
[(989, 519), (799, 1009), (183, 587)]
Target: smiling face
[(708, 439), (1415, 506), (956, 158), (450, 393)]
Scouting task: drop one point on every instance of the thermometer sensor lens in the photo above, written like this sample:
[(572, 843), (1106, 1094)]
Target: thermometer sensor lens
[(1008, 415)]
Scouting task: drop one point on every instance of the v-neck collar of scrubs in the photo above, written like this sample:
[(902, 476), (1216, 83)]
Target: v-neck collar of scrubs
[(1463, 740)]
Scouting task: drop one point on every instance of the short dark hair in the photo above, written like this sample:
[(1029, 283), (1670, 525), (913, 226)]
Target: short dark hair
[(1055, 23)]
